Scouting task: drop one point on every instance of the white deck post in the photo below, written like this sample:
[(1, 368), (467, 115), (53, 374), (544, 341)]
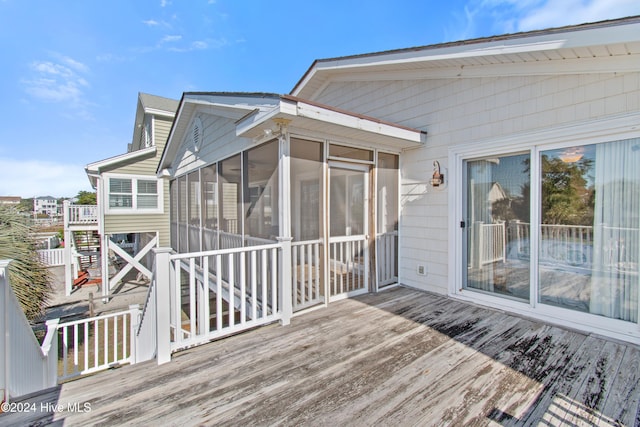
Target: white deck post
[(50, 349), (134, 310), (104, 267), (68, 262), (4, 330), (285, 278), (163, 305), (284, 182)]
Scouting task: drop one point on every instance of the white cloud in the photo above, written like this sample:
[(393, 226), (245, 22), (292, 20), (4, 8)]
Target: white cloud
[(110, 58), (60, 82), (164, 3), (72, 63), (555, 13), (28, 178), (169, 39), (201, 45), (151, 23), (509, 16)]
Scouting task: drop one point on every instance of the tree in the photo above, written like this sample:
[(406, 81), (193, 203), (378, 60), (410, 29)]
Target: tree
[(86, 198), (29, 277), (26, 205), (567, 193)]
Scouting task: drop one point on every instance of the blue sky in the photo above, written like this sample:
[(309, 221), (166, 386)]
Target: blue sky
[(71, 70)]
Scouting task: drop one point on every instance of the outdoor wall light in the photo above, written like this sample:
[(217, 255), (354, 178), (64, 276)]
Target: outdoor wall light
[(438, 178)]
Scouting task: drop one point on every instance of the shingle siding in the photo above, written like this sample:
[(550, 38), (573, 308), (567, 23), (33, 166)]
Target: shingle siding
[(455, 111)]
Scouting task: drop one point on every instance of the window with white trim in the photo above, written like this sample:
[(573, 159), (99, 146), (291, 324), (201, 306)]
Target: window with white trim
[(120, 193), (147, 194), (127, 194)]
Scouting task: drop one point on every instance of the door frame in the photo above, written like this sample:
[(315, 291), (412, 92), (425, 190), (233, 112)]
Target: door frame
[(356, 167), (534, 141)]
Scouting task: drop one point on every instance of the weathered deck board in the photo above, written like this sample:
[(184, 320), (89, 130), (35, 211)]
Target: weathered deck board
[(401, 357)]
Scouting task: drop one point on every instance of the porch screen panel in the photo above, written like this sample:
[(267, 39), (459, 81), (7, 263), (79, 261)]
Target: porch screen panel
[(590, 229), (183, 234), (194, 211), (261, 194), (209, 208), (230, 190), (173, 212), (498, 210), (306, 222), (306, 188), (387, 218)]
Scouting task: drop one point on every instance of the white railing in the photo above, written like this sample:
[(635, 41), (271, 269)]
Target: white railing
[(97, 343), (230, 240), (47, 242), (559, 243), (493, 242), (386, 245), (566, 243), (25, 365), (217, 293), (51, 257), (305, 274), (573, 245), (146, 334), (81, 214), (348, 270)]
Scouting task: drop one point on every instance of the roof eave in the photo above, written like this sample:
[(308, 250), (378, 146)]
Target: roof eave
[(96, 167), (301, 113), (576, 36)]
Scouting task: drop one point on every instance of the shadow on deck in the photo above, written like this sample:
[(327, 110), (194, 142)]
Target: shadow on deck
[(400, 357)]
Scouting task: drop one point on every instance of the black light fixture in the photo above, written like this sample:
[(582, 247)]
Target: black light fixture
[(438, 178)]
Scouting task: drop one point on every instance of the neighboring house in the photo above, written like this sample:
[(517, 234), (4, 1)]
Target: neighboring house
[(500, 171), (10, 200), (46, 205), (132, 214)]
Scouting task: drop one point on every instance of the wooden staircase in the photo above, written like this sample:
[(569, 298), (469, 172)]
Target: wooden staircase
[(87, 244)]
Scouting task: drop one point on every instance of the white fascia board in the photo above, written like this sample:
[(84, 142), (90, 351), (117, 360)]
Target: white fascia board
[(525, 44), (156, 112), (291, 109), (439, 54), (222, 106), (335, 117), (93, 179), (251, 121), (96, 166), (619, 64)]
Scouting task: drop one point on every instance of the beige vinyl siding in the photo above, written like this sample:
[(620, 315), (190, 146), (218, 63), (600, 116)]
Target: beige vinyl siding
[(139, 223), (464, 110), (161, 130)]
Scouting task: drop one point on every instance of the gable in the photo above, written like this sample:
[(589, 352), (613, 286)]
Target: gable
[(610, 46)]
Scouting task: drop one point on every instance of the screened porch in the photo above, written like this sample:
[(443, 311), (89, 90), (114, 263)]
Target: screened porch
[(338, 205)]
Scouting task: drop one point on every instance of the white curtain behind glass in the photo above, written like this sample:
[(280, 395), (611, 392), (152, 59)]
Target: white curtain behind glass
[(615, 279)]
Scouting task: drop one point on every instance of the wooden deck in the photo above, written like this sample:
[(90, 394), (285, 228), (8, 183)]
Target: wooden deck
[(401, 357)]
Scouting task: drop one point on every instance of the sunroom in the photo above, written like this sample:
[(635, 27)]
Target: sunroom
[(256, 170)]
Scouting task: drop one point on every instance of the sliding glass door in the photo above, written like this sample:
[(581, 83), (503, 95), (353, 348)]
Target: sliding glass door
[(565, 220), (589, 232), (496, 225)]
